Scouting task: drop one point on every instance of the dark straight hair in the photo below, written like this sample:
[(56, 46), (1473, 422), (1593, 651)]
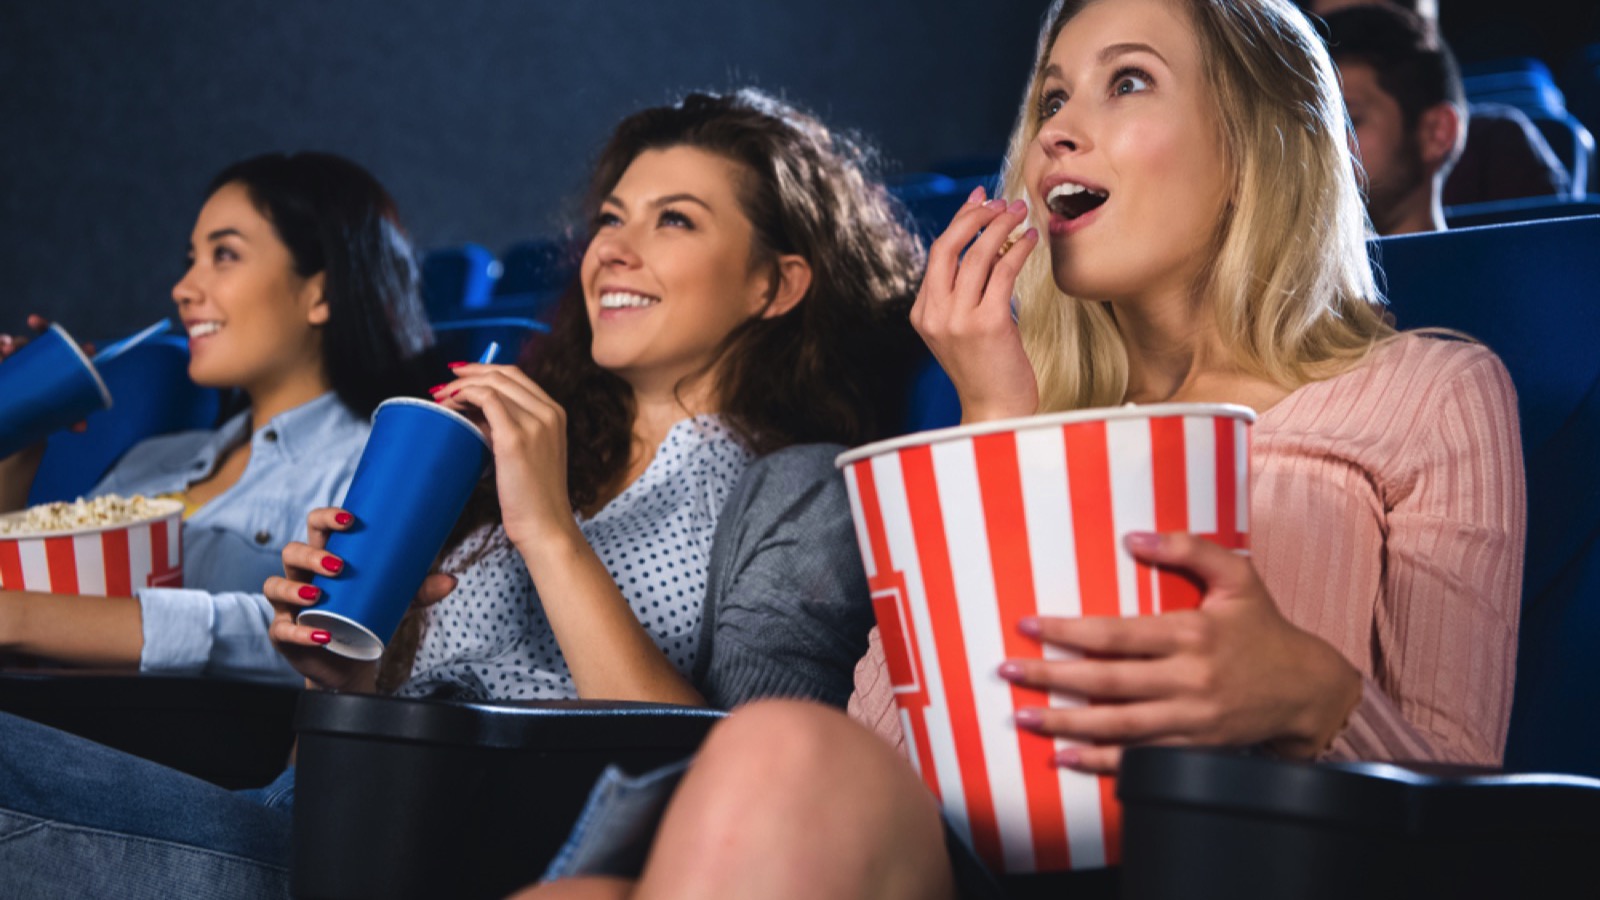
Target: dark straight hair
[(336, 219)]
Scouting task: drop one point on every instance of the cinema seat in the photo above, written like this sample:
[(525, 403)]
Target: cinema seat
[(419, 799), (1520, 209), (1527, 291), (533, 274), (931, 199), (465, 340), (1524, 83), (1205, 824), (232, 733), (457, 280)]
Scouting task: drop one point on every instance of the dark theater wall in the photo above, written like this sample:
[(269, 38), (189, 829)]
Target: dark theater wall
[(480, 115)]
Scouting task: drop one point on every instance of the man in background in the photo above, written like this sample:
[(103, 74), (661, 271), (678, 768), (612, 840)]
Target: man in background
[(1505, 156), (1404, 95)]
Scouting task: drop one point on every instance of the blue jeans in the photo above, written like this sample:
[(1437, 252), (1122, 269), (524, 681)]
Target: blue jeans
[(81, 820)]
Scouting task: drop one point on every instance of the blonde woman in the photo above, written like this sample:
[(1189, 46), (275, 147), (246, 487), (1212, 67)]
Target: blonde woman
[(1186, 164)]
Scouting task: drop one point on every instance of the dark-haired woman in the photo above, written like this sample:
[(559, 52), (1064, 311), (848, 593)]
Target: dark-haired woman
[(726, 310), (661, 535), (299, 296)]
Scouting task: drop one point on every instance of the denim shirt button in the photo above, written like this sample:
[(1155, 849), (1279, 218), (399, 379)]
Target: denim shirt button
[(270, 436), (262, 538)]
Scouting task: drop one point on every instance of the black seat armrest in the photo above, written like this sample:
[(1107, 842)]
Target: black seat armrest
[(232, 733), (422, 798), (1201, 823)]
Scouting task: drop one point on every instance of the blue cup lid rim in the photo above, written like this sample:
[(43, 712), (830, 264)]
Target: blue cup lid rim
[(431, 406), (105, 393)]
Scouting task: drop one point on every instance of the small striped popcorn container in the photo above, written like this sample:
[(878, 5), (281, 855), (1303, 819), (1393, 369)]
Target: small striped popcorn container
[(104, 561), (964, 531)]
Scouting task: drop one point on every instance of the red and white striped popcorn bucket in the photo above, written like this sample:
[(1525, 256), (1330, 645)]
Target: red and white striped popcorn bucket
[(964, 531), (104, 561)]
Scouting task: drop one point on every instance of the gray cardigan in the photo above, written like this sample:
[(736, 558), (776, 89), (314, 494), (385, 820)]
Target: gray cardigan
[(787, 608)]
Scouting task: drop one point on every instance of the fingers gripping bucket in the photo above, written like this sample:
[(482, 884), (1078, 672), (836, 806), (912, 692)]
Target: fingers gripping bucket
[(965, 531)]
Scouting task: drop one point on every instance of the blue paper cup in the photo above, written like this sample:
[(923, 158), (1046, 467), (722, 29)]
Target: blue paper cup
[(414, 477), (46, 386)]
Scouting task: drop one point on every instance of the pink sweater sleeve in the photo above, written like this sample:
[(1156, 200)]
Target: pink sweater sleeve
[(1446, 623)]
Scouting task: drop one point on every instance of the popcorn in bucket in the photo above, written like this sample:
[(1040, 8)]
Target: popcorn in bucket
[(967, 530), (105, 547)]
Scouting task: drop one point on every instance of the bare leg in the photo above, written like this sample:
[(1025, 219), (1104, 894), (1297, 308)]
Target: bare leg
[(791, 799)]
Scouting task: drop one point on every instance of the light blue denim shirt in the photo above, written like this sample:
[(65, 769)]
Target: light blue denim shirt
[(217, 623)]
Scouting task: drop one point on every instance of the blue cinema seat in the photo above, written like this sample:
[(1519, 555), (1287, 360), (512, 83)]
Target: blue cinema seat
[(1524, 83), (456, 280), (1526, 68), (1581, 80), (1573, 146), (931, 199), (933, 402), (1520, 209), (533, 275), (466, 339), (151, 394), (1528, 292)]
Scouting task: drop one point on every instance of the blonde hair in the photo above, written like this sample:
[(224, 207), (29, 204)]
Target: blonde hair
[(1289, 280)]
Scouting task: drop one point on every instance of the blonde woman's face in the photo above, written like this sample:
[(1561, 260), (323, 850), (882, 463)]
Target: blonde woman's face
[(1129, 161)]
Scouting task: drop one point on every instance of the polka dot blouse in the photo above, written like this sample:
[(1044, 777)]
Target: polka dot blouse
[(490, 637)]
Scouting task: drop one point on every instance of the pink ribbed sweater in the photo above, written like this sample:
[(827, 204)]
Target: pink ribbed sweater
[(1387, 518)]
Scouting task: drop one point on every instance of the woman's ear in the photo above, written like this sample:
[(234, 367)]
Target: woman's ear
[(316, 302), (791, 281)]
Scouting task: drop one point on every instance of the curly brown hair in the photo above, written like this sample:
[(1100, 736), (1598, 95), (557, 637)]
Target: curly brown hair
[(824, 371), (833, 368)]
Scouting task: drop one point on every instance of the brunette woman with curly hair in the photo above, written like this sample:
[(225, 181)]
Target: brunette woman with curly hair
[(732, 302)]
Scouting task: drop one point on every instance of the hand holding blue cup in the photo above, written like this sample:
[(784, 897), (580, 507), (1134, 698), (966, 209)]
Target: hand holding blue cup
[(46, 386), (415, 475)]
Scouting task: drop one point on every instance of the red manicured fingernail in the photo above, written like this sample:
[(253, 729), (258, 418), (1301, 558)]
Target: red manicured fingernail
[(1030, 626), (1011, 671), (1029, 718), (1142, 540), (307, 592), (332, 563), (457, 365), (452, 393), (320, 637), (344, 518), (437, 388)]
